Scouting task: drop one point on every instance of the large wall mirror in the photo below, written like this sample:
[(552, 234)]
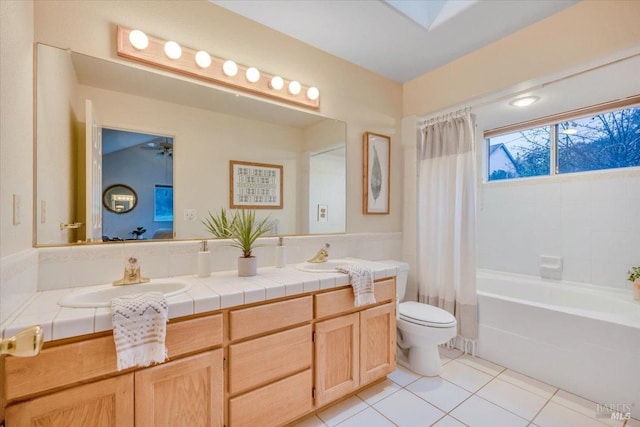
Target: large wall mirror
[(100, 121)]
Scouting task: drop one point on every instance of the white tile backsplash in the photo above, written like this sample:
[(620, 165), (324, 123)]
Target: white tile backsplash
[(85, 265), (18, 281), (591, 221)]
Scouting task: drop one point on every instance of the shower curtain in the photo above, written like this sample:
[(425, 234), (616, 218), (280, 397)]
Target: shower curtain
[(446, 220)]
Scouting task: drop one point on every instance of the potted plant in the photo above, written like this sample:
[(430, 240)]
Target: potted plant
[(243, 229), (634, 277), (138, 232)]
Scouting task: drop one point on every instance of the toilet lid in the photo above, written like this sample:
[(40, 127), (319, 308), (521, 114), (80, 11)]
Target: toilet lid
[(425, 314)]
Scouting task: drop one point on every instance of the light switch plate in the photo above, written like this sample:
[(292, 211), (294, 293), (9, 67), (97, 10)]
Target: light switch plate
[(17, 209)]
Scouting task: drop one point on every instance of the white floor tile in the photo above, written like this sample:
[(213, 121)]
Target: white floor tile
[(632, 423), (480, 364), (465, 376), (584, 406), (402, 376), (513, 398), (451, 353), (448, 422), (528, 383), (555, 415), (444, 359), (379, 391), (312, 421), (406, 409), (369, 417), (477, 412), (439, 392), (341, 411)]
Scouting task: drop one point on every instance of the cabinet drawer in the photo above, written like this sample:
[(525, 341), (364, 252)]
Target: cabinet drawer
[(273, 405), (252, 321), (81, 361), (342, 300), (262, 360)]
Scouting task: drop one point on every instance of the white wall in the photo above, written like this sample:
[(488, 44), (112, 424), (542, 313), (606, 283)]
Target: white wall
[(16, 116), (591, 220), (57, 124), (327, 187)]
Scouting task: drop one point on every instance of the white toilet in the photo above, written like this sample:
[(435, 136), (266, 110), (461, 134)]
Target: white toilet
[(421, 328)]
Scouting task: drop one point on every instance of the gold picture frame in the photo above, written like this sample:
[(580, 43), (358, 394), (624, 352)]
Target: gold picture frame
[(376, 170), (255, 185)]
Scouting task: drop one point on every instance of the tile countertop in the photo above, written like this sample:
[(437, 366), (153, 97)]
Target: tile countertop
[(222, 289)]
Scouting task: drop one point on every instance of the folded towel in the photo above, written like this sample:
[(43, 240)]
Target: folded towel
[(139, 329), (361, 280)]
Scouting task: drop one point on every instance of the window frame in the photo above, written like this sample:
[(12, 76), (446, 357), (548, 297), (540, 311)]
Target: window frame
[(553, 122)]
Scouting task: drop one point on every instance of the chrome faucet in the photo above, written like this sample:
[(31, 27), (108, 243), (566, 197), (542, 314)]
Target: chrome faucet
[(132, 274), (322, 254)]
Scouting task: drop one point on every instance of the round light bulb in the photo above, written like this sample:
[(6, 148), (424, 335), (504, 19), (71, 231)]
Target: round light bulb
[(172, 50), (203, 59), (276, 83), (524, 102), (294, 87), (253, 75), (313, 93), (138, 39), (229, 68)]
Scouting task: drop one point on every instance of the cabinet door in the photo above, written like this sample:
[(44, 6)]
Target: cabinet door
[(106, 403), (336, 351), (186, 392), (377, 342)]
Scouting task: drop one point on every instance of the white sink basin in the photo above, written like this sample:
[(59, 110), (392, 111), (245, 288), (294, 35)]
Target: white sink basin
[(100, 296), (329, 266)]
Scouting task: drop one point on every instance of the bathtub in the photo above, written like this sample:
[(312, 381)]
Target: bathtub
[(583, 339)]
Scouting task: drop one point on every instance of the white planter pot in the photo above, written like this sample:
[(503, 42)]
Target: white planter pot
[(247, 266)]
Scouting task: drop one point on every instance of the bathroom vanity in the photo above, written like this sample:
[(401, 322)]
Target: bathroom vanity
[(267, 363)]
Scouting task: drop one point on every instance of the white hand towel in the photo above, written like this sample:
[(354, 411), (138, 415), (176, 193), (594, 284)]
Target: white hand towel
[(361, 280), (139, 329)]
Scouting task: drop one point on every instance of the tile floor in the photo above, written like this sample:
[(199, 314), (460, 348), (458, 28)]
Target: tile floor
[(469, 392)]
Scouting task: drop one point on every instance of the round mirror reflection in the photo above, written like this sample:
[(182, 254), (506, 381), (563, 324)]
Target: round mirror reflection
[(119, 198)]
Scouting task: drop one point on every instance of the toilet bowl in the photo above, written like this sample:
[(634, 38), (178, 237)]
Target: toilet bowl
[(421, 329)]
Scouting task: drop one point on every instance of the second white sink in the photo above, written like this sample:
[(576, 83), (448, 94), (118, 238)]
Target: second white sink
[(329, 266), (101, 296)]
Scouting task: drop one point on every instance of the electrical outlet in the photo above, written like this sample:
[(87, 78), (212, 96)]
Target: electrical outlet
[(190, 215)]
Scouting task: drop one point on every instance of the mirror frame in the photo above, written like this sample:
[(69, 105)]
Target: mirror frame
[(111, 187)]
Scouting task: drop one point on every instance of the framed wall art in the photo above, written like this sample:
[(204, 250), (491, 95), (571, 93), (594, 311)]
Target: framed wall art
[(376, 170), (255, 185)]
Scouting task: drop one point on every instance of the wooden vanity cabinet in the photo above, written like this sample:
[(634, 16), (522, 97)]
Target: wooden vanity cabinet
[(355, 349), (106, 403), (269, 364), (270, 376), (181, 391)]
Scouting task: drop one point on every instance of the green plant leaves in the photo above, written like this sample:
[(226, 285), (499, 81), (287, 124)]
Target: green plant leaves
[(243, 228)]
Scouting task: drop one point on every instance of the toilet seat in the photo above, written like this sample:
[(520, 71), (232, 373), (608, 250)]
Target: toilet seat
[(425, 315)]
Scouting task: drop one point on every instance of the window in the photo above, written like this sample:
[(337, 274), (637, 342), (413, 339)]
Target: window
[(606, 140), (163, 203)]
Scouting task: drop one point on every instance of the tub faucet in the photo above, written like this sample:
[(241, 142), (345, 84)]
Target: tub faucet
[(322, 254), (132, 274)]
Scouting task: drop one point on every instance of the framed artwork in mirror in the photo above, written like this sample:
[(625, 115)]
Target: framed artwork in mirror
[(255, 185), (119, 198), (376, 170)]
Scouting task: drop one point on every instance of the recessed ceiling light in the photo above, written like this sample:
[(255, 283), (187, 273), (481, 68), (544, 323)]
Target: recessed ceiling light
[(525, 101), (570, 131)]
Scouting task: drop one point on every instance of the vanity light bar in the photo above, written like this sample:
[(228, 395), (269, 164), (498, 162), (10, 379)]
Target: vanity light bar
[(199, 64)]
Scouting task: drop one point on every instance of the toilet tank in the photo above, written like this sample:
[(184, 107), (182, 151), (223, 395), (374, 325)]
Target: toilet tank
[(401, 276)]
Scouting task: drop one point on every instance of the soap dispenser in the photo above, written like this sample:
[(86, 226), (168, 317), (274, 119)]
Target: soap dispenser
[(281, 254), (204, 260)]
